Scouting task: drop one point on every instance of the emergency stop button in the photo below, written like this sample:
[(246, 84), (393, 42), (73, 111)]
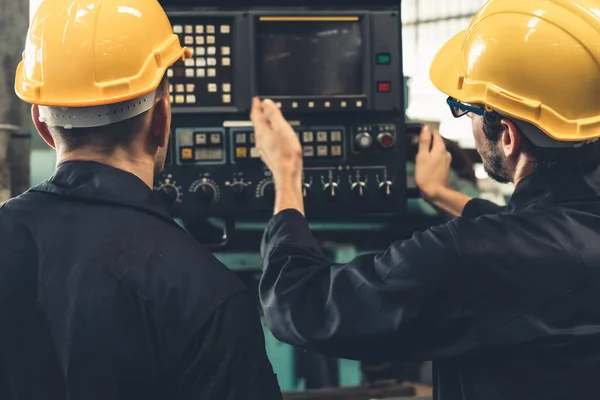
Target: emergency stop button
[(384, 87), (386, 140)]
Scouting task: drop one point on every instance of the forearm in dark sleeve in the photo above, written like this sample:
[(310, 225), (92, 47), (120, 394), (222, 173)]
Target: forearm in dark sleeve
[(227, 359), (479, 207), (393, 305)]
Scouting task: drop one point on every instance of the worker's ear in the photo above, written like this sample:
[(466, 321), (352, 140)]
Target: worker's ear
[(41, 127), (511, 139), (160, 123)]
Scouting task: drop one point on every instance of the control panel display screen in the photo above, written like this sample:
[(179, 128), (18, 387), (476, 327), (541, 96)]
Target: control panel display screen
[(309, 58)]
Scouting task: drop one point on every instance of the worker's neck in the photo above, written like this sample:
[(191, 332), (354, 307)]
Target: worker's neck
[(142, 167), (525, 167)]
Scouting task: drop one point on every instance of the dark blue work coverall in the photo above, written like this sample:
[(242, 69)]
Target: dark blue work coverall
[(104, 297), (506, 304)]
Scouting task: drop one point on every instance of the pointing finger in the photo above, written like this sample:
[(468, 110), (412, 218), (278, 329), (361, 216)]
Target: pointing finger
[(425, 139), (257, 116), (273, 113)]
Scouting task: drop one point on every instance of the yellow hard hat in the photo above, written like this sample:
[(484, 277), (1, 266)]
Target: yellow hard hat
[(93, 53), (534, 60)]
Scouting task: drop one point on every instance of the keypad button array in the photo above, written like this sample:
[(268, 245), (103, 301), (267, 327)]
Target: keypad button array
[(201, 146), (210, 67), (321, 142), (244, 143)]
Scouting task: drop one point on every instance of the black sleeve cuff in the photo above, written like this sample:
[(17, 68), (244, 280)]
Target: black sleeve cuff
[(288, 226), (479, 207)]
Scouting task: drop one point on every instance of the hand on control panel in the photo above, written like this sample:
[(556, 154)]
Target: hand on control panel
[(432, 168), (281, 151)]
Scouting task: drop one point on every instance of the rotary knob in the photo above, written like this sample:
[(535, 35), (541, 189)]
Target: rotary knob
[(206, 191), (385, 188), (363, 140), (359, 189), (168, 193), (269, 192), (239, 189)]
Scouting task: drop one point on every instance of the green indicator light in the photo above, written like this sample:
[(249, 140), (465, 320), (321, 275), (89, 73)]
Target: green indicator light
[(383, 59)]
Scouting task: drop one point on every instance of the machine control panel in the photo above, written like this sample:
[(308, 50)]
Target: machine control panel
[(336, 74), (218, 171)]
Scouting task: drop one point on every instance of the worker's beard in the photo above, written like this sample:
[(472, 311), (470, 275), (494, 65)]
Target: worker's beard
[(495, 163)]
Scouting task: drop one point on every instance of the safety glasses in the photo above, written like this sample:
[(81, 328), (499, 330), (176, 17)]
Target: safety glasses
[(459, 109)]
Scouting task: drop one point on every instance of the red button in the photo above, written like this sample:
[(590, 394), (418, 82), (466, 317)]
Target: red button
[(384, 87)]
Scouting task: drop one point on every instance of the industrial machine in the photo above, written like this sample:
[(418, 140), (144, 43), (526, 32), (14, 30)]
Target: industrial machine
[(335, 70)]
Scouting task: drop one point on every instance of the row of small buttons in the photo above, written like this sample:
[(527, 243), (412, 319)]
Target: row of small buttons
[(326, 104), (321, 136), (323, 151), (200, 29), (189, 138), (191, 99), (189, 154)]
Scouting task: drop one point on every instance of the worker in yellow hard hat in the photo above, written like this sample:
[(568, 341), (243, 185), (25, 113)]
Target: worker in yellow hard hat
[(102, 294), (504, 301)]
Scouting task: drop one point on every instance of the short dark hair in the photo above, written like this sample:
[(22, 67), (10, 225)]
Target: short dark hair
[(106, 139), (585, 158)]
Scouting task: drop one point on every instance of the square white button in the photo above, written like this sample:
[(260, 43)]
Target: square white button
[(212, 72), (226, 98), (212, 51), (169, 73), (189, 73), (225, 29), (200, 62), (254, 153), (190, 87), (189, 29), (178, 29), (189, 62), (200, 51), (189, 40), (327, 104), (179, 98), (199, 29), (210, 40), (212, 87), (359, 104), (179, 88), (212, 62), (190, 99), (311, 104), (226, 61), (294, 105), (200, 40), (210, 29), (200, 72), (344, 104), (225, 51), (226, 87)]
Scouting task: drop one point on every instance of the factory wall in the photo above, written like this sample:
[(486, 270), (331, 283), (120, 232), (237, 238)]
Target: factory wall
[(427, 25)]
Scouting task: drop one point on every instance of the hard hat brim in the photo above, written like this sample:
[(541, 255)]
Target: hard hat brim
[(23, 92)]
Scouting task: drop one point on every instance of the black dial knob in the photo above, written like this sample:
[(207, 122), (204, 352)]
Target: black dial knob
[(385, 188), (363, 140), (268, 191), (330, 189), (168, 194), (207, 193), (359, 189), (239, 189)]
